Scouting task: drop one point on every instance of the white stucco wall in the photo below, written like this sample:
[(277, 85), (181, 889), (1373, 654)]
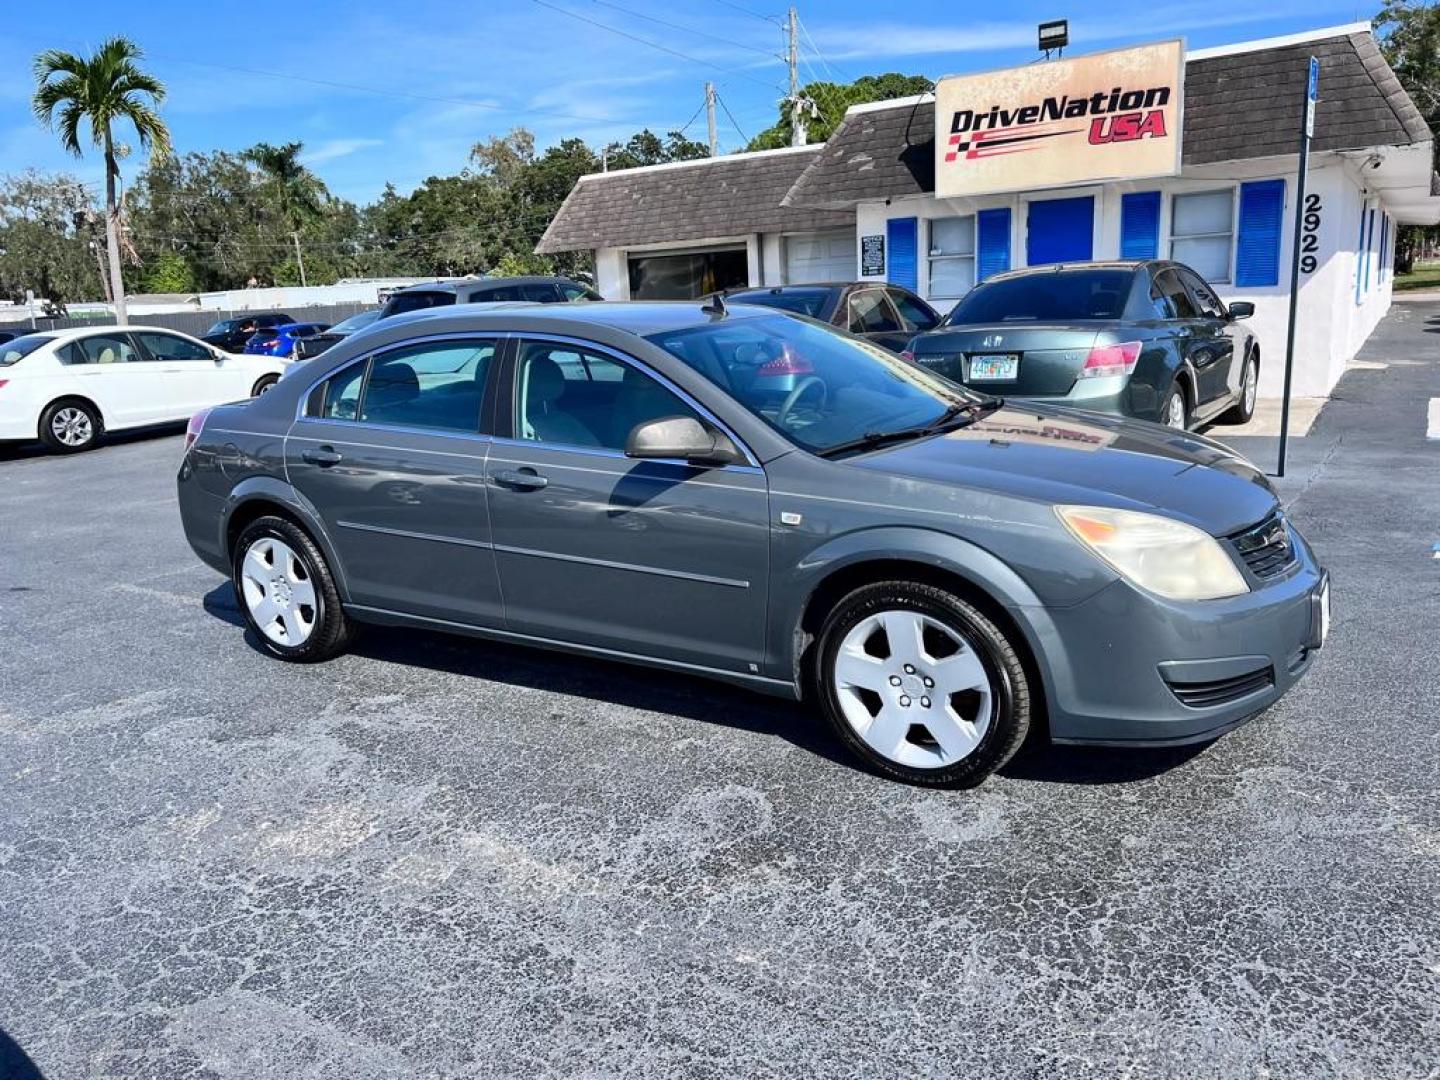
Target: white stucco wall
[(1330, 326)]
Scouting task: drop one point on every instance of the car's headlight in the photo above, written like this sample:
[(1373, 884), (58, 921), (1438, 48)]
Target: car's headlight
[(1162, 555)]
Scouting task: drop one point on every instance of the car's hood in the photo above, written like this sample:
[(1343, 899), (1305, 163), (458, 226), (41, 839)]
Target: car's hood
[(1066, 456)]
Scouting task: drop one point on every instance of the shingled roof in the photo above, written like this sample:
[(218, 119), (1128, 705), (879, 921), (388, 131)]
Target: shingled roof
[(1238, 105), (705, 199)]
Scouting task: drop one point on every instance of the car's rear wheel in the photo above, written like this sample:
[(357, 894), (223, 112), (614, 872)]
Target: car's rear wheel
[(1174, 410), (70, 427), (287, 593), (921, 685), (1244, 409), (264, 383)]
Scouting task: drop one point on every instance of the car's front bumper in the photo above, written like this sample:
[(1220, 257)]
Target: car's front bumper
[(1125, 668)]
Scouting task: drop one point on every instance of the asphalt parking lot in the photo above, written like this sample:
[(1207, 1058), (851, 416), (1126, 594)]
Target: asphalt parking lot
[(443, 858)]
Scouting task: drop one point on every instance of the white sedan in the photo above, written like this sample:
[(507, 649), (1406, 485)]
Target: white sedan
[(68, 387)]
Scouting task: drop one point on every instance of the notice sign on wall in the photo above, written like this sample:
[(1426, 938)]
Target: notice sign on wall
[(872, 256), (1107, 116)]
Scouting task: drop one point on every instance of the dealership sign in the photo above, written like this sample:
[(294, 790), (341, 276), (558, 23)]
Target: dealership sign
[(1107, 116)]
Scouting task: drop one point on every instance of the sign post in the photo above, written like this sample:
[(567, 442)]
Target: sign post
[(1307, 132)]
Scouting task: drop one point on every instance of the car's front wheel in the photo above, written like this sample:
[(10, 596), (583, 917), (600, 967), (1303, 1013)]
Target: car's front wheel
[(70, 426), (287, 592), (921, 685)]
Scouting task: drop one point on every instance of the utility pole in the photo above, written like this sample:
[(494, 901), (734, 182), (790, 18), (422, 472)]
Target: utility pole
[(710, 115), (799, 105)]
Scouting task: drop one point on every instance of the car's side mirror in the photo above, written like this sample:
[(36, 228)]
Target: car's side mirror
[(1241, 309), (683, 438)]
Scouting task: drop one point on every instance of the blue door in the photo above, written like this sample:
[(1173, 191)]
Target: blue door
[(1060, 230), (902, 237)]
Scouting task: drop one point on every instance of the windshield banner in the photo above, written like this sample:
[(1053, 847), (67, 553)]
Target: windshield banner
[(1106, 116)]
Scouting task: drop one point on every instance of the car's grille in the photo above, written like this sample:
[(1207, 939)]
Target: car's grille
[(1202, 695), (1266, 548)]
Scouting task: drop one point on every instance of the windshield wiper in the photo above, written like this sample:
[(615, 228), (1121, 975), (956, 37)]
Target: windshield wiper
[(952, 419)]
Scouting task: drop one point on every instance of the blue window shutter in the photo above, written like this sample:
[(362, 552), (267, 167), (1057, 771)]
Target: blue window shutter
[(1060, 231), (1140, 225), (992, 243), (1360, 258), (1257, 246), (902, 238), (1369, 243), (1384, 247)]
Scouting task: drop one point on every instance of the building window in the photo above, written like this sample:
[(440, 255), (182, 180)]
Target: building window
[(952, 257), (1202, 228)]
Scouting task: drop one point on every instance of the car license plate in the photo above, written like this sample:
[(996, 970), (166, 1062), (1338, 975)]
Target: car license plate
[(994, 368)]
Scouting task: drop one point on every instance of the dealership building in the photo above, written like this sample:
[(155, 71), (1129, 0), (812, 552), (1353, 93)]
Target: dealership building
[(936, 197)]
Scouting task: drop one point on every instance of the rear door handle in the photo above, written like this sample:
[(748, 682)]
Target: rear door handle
[(524, 479), (324, 456)]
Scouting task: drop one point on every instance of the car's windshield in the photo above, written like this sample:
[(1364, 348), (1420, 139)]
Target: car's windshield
[(417, 301), (812, 302), (13, 350), (224, 326), (355, 322), (817, 387), (1050, 296)]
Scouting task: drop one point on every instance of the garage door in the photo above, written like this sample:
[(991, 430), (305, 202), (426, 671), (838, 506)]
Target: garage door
[(821, 256)]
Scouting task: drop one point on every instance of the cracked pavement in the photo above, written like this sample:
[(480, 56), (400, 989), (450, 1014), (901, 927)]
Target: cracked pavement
[(442, 858)]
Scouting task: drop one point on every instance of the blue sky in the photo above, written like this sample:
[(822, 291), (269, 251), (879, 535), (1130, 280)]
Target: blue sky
[(400, 91)]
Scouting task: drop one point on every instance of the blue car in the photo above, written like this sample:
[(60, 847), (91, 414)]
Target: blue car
[(280, 340)]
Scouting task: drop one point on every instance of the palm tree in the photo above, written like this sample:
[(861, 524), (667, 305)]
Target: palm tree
[(100, 90), (298, 193)]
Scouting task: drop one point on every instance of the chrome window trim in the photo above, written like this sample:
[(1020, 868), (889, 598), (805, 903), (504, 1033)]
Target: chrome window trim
[(397, 429), (626, 358), (620, 455)]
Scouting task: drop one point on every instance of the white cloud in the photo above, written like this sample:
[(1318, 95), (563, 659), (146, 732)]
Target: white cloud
[(336, 148)]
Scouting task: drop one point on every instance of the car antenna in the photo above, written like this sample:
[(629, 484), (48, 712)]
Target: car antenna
[(715, 307)]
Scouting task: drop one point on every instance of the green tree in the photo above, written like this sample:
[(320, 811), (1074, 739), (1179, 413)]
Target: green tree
[(832, 99), (647, 148), (169, 273), (298, 194), (1410, 42), (99, 91), (46, 237)]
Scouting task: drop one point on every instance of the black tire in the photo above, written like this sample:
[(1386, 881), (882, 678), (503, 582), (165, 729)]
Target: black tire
[(1010, 690), (333, 630), (265, 382), (89, 420), (1243, 413), (1177, 389)]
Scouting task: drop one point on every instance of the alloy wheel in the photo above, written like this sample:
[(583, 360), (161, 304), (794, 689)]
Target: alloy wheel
[(914, 689), (72, 426), (1252, 385), (1175, 412), (279, 592)]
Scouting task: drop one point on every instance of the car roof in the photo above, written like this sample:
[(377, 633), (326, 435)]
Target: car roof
[(86, 331), (484, 282), (638, 317)]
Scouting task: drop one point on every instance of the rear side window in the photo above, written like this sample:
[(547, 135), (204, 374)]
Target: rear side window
[(102, 349), (417, 301), (916, 315), (15, 349), (497, 294), (437, 386), (870, 313), (542, 293), (1178, 299), (573, 292)]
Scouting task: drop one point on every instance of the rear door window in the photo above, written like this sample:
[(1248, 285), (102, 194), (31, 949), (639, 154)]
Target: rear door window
[(417, 301), (871, 313), (573, 291), (1175, 293), (438, 386), (103, 349), (916, 315), (541, 292), (340, 397)]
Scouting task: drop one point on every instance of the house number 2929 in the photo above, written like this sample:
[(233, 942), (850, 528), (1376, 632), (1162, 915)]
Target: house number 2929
[(1310, 235)]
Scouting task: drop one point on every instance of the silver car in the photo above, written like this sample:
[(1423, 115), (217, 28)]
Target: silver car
[(938, 572)]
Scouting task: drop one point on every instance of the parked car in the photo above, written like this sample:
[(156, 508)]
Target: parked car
[(930, 568), (280, 340), (232, 334), (311, 345), (539, 290), (1143, 339), (9, 335), (885, 314), (68, 387)]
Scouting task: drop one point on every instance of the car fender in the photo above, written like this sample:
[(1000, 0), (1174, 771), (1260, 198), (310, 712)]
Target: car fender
[(792, 593), (271, 489)]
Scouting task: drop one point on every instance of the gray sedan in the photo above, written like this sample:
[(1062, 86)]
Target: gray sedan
[(936, 571)]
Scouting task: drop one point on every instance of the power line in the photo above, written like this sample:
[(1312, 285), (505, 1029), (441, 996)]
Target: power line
[(834, 75), (653, 44), (687, 29), (733, 124), (752, 14)]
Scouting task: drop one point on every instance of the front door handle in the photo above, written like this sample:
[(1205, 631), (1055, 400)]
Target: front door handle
[(523, 479), (324, 456)]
